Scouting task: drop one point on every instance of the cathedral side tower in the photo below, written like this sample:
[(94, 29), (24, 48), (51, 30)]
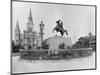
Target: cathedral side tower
[(17, 34), (30, 24)]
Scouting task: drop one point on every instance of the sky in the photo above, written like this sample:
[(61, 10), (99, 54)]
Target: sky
[(78, 20)]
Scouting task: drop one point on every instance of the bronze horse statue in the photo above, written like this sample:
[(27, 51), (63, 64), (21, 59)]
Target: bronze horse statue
[(59, 28)]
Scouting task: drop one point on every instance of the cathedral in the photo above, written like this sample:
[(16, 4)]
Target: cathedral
[(29, 39)]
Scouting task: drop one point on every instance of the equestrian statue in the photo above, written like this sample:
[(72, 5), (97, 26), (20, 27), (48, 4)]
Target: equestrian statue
[(59, 28)]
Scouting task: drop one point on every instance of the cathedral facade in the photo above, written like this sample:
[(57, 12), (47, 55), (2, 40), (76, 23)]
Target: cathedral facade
[(29, 39)]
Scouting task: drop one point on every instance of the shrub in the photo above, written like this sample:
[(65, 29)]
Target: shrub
[(62, 46), (45, 45)]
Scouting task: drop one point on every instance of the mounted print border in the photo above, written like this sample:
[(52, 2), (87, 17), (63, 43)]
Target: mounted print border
[(52, 37)]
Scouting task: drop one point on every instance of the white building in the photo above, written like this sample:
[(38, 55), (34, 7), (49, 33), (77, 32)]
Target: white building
[(29, 39)]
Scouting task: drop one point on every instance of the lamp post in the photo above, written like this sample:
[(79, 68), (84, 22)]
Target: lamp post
[(41, 32)]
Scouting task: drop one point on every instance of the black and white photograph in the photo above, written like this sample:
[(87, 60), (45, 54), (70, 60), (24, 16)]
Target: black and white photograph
[(52, 37)]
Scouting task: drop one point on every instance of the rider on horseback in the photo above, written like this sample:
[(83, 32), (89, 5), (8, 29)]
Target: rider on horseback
[(60, 24), (59, 27)]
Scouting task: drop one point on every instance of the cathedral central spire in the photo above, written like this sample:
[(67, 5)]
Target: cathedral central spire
[(30, 16), (30, 25)]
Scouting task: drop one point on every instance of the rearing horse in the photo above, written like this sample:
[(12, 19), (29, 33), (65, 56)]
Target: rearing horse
[(59, 28)]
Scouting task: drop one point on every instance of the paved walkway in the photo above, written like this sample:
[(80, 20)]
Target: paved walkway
[(24, 66)]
